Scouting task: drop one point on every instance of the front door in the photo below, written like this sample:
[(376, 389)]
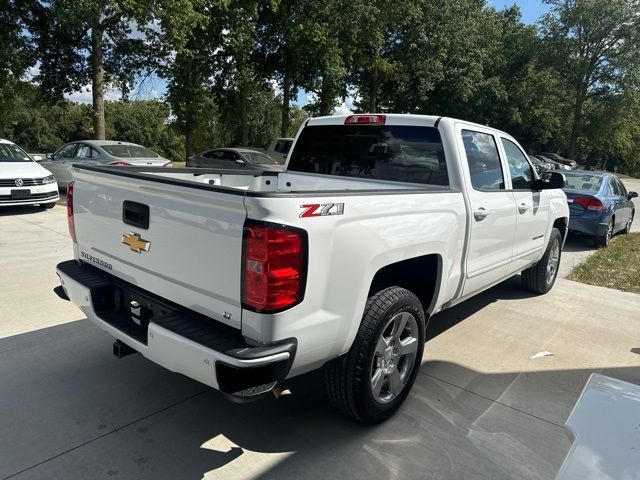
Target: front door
[(532, 208), (61, 163), (493, 210)]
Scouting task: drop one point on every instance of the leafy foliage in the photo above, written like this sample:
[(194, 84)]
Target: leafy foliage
[(233, 67)]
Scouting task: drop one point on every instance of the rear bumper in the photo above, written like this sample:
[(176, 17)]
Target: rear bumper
[(589, 225), (176, 338)]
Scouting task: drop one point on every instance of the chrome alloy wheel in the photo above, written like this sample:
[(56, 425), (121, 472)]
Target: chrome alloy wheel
[(554, 261), (394, 357)]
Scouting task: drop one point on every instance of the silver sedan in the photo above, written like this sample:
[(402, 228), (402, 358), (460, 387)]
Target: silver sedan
[(99, 152), (234, 159)]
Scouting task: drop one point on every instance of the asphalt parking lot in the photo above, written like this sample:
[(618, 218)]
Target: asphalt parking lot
[(481, 408)]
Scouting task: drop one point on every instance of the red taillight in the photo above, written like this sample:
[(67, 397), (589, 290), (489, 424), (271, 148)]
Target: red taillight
[(274, 267), (70, 222), (120, 164), (365, 119), (589, 203), (167, 164)]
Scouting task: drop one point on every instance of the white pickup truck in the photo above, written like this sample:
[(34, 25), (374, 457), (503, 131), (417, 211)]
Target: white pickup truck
[(241, 280)]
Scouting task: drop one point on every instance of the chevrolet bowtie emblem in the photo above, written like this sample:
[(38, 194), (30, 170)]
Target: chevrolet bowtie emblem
[(136, 244)]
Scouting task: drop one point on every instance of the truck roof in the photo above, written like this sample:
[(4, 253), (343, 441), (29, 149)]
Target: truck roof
[(400, 119)]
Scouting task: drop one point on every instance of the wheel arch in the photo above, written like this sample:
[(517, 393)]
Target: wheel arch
[(562, 224), (420, 275)]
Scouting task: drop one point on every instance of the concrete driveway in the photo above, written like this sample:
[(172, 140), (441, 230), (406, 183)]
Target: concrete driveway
[(481, 408)]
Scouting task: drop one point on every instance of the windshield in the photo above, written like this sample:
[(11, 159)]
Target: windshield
[(259, 158), (129, 151), (396, 153), (13, 153), (583, 182)]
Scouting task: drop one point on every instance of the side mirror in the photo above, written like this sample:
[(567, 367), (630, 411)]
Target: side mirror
[(50, 156), (37, 158), (240, 161), (631, 195), (549, 181)]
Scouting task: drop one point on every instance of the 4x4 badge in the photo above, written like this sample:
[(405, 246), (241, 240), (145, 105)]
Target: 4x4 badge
[(135, 242)]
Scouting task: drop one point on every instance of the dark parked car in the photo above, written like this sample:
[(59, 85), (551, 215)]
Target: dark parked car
[(233, 158), (599, 204), (540, 165), (557, 158)]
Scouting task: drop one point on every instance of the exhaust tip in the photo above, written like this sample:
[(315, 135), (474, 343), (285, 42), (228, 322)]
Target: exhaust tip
[(281, 391)]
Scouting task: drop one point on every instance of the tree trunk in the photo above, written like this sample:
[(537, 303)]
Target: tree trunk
[(286, 98), (373, 92), (188, 144), (97, 81), (244, 118), (577, 122), (325, 93)]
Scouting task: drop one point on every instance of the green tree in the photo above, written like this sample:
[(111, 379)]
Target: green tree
[(91, 41), (279, 35), (15, 57), (596, 42)]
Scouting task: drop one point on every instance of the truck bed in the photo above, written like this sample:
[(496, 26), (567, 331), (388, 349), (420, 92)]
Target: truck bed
[(260, 183)]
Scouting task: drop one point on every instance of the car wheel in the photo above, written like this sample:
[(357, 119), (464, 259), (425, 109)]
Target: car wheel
[(373, 379), (627, 229), (602, 241), (541, 277), (47, 206)]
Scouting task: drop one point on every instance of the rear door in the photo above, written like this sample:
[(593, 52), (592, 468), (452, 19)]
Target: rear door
[(493, 212), (190, 251), (622, 207), (532, 207)]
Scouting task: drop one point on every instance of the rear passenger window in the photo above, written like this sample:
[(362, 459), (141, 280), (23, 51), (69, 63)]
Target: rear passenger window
[(484, 161), (219, 154), (621, 190), (519, 168)]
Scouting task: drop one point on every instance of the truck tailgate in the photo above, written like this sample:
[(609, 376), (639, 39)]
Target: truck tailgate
[(190, 253)]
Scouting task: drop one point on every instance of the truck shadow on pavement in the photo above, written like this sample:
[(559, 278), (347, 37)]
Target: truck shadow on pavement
[(71, 410), (578, 243)]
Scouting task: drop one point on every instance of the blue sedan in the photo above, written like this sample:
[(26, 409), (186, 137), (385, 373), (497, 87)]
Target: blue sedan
[(599, 204)]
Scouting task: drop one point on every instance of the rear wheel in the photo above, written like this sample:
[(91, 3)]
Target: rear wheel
[(541, 277), (374, 378), (602, 241), (47, 206)]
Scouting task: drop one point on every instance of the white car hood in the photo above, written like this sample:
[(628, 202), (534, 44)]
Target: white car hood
[(22, 170)]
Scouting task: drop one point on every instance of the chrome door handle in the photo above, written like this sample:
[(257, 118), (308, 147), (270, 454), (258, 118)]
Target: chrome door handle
[(523, 208), (481, 214)]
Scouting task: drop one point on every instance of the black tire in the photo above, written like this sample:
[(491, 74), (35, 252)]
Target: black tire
[(47, 206), (602, 241), (539, 278), (627, 228), (348, 380)]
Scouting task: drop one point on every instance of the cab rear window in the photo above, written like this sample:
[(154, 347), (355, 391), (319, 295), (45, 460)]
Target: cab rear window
[(381, 152)]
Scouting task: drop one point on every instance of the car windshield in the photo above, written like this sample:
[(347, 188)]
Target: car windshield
[(259, 158), (13, 153), (129, 151), (583, 182)]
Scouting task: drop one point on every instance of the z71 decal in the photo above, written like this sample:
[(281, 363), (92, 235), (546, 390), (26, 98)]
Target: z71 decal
[(322, 209)]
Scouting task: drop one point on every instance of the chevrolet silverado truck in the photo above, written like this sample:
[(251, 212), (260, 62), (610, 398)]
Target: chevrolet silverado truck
[(242, 280)]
